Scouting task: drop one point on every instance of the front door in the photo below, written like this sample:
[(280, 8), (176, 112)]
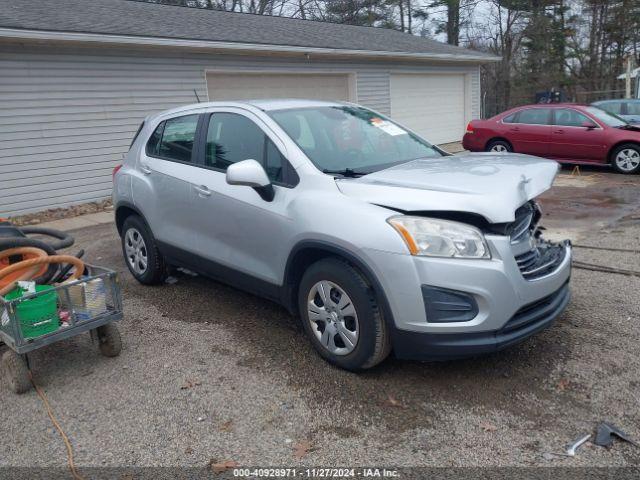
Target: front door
[(571, 139), (238, 229), (531, 132)]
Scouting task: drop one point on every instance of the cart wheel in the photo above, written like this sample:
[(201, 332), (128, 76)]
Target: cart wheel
[(109, 340), (16, 372)]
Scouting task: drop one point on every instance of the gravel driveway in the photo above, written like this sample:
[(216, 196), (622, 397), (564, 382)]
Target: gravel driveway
[(209, 373)]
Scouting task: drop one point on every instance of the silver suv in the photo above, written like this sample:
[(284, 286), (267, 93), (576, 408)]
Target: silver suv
[(375, 238)]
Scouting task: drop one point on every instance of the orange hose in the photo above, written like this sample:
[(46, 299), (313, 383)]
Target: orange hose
[(76, 262), (33, 272)]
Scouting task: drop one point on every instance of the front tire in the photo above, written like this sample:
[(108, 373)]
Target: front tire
[(341, 316), (141, 253), (499, 146), (626, 158)]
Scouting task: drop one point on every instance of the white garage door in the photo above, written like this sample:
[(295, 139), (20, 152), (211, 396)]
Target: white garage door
[(245, 86), (431, 105)]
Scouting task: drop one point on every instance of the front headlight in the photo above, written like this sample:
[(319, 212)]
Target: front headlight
[(433, 237)]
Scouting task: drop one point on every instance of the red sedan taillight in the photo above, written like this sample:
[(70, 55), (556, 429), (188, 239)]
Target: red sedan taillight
[(469, 128)]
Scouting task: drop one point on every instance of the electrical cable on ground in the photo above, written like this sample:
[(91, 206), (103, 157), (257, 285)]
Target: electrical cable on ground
[(592, 247), (67, 442), (601, 268)]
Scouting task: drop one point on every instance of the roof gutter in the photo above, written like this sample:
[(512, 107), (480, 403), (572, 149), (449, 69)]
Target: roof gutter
[(47, 35)]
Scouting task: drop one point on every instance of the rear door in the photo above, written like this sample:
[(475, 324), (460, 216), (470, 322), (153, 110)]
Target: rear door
[(166, 171), (531, 131), (570, 139)]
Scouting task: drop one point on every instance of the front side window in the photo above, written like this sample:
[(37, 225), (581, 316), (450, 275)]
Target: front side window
[(346, 137), (534, 116), (233, 138), (571, 118), (173, 139)]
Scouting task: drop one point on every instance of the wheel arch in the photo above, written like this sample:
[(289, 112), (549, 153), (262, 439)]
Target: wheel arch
[(495, 139), (306, 253), (123, 211), (619, 144)]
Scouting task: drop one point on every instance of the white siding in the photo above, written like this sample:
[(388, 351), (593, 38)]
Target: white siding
[(67, 115)]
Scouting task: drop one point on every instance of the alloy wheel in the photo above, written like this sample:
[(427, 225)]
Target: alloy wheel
[(136, 251), (333, 317), (628, 159), (499, 148)]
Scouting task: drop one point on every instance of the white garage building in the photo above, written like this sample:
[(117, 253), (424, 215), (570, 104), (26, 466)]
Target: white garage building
[(78, 77)]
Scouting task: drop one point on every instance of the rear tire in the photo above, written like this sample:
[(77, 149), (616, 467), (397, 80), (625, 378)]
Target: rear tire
[(499, 146), (141, 253), (348, 331), (15, 372), (626, 158)]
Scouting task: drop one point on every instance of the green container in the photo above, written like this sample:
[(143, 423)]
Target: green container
[(38, 315)]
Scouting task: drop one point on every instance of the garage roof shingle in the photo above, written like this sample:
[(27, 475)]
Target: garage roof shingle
[(143, 19)]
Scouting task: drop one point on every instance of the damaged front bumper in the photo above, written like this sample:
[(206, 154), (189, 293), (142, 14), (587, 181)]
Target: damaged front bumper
[(512, 297)]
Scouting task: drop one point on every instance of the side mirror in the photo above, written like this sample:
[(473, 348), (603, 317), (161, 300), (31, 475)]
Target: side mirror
[(251, 174), (588, 125)]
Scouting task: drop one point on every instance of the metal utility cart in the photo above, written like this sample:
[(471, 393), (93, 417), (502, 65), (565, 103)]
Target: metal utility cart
[(90, 304)]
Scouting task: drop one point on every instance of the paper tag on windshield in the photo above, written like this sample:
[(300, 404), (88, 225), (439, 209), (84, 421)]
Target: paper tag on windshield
[(387, 127)]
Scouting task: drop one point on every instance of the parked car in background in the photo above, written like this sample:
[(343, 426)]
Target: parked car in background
[(377, 239), (567, 133), (628, 109)]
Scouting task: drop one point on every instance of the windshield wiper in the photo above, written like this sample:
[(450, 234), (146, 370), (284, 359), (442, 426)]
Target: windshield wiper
[(346, 172), (628, 126)]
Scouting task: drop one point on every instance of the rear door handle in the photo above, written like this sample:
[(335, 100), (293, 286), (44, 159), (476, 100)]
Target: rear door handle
[(202, 191), (558, 131), (144, 168)]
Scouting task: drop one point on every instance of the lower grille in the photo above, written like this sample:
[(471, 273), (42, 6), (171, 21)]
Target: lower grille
[(538, 311)]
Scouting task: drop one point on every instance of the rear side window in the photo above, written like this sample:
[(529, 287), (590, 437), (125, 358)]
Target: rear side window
[(534, 116), (154, 141), (173, 139)]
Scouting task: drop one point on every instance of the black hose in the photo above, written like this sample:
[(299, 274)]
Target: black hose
[(64, 239), (13, 242)]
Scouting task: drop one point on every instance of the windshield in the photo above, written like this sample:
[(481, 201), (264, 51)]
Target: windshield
[(351, 138), (606, 117)]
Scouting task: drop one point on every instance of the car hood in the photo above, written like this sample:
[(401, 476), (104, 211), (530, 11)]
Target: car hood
[(488, 184)]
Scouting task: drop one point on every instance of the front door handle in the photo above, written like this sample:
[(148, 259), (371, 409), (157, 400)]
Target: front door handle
[(515, 129), (558, 131), (144, 168), (203, 191)]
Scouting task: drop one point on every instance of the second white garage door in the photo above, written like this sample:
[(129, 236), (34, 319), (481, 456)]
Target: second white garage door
[(245, 86), (431, 105)]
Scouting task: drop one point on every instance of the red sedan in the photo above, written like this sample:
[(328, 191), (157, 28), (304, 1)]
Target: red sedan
[(567, 133)]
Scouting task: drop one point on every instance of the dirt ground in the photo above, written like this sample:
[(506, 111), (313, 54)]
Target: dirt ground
[(211, 374)]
